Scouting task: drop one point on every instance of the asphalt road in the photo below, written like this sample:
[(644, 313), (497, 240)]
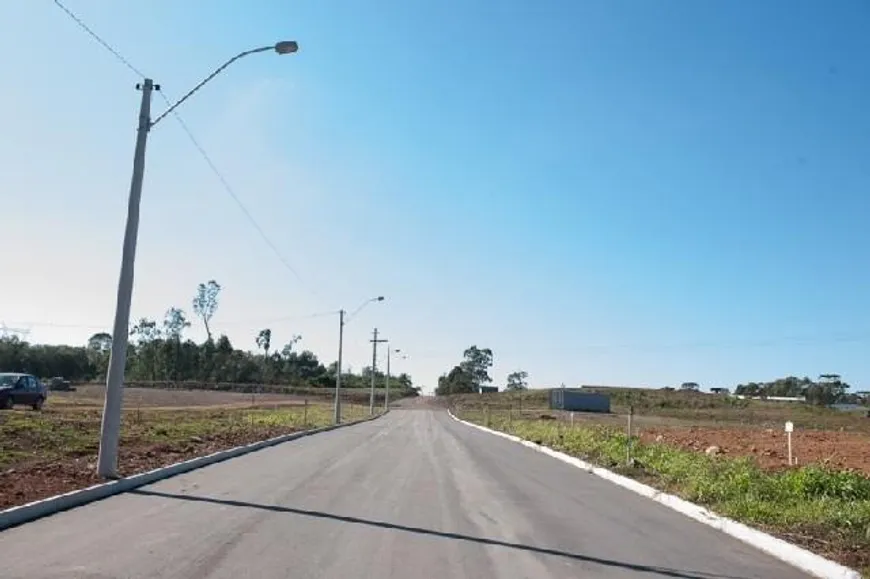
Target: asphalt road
[(413, 494)]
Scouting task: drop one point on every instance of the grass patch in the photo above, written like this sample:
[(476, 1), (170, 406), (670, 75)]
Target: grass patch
[(65, 431), (824, 510)]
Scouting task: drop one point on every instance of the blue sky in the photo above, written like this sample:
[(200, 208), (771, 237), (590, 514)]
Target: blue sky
[(611, 192)]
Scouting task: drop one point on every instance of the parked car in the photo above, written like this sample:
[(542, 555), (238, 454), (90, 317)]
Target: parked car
[(58, 383), (18, 388)]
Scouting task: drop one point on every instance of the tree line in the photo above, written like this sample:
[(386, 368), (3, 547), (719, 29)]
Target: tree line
[(472, 375), (828, 389), (159, 351)]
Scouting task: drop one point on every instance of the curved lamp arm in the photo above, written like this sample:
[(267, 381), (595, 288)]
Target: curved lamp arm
[(283, 47)]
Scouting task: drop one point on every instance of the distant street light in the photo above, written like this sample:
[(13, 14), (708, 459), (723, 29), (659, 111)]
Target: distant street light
[(107, 463), (341, 322), (387, 393)]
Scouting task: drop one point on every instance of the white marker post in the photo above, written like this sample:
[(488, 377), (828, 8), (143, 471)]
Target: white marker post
[(789, 428)]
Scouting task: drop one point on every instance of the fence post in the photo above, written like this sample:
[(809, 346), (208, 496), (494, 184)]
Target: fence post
[(305, 414), (628, 443), (486, 415), (511, 416)]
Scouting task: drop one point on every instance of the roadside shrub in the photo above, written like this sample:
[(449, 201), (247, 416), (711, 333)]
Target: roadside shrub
[(813, 482)]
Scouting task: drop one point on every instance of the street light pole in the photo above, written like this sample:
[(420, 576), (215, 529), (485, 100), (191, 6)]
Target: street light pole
[(110, 430), (336, 419), (387, 396), (375, 341), (107, 460), (387, 389)]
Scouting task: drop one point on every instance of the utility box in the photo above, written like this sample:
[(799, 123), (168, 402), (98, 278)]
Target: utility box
[(561, 399)]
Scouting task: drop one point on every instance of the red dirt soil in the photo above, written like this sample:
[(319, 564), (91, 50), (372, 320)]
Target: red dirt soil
[(36, 480), (839, 450)]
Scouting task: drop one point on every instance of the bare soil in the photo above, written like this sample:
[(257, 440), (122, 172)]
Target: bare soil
[(38, 479), (769, 447)]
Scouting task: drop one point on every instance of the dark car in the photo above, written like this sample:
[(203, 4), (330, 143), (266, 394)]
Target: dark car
[(21, 389)]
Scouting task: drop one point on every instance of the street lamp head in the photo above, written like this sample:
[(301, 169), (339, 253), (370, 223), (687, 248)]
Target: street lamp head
[(286, 47), (379, 299)]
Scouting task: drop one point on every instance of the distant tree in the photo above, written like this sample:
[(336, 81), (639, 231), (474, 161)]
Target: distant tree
[(100, 342), (174, 323), (830, 389), (264, 341), (98, 348), (404, 381), (287, 350), (146, 334), (517, 381), (146, 331), (476, 364), (205, 303), (458, 381), (690, 387), (224, 345)]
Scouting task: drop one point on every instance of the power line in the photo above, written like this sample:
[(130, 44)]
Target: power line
[(284, 261), (297, 317), (96, 37), (233, 195)]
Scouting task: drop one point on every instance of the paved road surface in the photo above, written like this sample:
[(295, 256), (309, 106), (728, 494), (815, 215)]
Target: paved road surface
[(413, 494)]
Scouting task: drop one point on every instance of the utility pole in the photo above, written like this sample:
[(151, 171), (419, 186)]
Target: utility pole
[(107, 463), (375, 343), (337, 418), (387, 391), (342, 320)]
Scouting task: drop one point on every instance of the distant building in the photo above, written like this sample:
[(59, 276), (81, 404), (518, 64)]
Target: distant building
[(562, 399)]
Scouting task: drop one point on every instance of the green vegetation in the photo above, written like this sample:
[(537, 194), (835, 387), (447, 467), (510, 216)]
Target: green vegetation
[(517, 381), (829, 389), (469, 375), (826, 511), (69, 432), (159, 352)]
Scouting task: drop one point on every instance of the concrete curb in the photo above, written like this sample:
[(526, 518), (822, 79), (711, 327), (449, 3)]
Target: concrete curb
[(31, 511), (782, 550)]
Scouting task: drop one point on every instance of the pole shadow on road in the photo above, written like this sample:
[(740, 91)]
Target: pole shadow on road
[(663, 571)]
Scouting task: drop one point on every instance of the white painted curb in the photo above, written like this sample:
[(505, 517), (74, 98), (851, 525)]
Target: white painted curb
[(783, 550), (42, 508)]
